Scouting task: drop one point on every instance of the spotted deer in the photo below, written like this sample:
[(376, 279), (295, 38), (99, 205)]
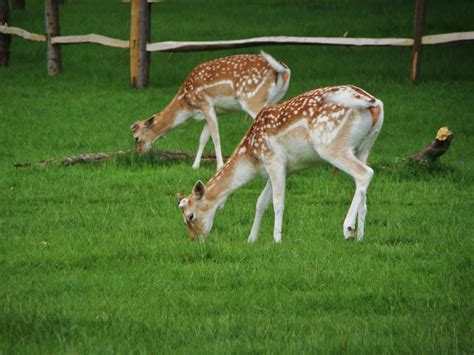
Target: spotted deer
[(237, 83), (336, 124)]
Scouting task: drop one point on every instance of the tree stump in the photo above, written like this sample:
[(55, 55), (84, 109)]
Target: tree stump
[(435, 149)]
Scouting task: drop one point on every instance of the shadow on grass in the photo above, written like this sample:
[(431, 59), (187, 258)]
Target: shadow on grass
[(402, 169)]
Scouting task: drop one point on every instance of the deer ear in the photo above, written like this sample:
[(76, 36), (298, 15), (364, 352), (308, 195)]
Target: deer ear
[(179, 197), (150, 121), (198, 190), (183, 203), (134, 127)]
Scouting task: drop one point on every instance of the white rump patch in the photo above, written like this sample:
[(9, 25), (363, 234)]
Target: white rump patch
[(273, 62), (347, 99)]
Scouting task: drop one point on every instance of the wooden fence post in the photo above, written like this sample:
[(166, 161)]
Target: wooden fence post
[(139, 37), (18, 4), (4, 39), (51, 18), (420, 8)]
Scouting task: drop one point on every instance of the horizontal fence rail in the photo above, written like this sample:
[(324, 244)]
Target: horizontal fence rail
[(172, 46), (448, 37), (91, 38), (177, 46), (22, 33)]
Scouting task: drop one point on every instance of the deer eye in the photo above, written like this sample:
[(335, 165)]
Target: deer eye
[(137, 139), (190, 217)]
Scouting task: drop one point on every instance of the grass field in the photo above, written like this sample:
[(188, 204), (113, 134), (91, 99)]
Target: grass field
[(95, 259)]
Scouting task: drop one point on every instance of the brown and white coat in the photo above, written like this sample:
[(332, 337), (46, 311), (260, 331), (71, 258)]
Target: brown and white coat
[(336, 124), (236, 83)]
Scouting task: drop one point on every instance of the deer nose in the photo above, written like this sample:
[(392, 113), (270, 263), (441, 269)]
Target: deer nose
[(137, 139)]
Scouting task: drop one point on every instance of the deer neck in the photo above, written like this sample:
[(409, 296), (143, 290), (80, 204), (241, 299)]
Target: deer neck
[(176, 113), (236, 172)]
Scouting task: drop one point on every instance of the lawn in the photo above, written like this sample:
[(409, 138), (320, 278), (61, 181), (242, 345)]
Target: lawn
[(96, 259)]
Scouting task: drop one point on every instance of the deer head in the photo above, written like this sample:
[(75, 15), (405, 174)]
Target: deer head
[(198, 213), (143, 134), (146, 132)]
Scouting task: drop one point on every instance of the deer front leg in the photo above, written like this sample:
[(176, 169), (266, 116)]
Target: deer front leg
[(262, 204), (277, 172), (211, 120), (205, 134)]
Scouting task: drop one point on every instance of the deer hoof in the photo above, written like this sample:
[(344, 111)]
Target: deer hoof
[(349, 233)]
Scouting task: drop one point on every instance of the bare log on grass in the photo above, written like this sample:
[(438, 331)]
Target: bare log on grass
[(435, 149), (94, 158)]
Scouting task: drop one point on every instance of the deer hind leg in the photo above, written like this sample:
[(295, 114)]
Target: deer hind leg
[(362, 175), (365, 146), (362, 152), (213, 127), (250, 107), (281, 86), (261, 97), (262, 204), (270, 92), (205, 135)]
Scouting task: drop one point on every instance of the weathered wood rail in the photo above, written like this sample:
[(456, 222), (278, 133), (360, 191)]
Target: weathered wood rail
[(140, 46), (171, 46)]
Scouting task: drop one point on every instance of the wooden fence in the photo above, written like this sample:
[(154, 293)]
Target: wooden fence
[(140, 47)]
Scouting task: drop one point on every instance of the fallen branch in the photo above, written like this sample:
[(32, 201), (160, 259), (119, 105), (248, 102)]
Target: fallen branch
[(435, 149), (95, 158), (432, 152)]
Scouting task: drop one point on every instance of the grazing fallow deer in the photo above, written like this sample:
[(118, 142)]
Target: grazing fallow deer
[(236, 83), (337, 124)]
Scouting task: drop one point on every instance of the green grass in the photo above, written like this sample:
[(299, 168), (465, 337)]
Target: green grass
[(95, 259)]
